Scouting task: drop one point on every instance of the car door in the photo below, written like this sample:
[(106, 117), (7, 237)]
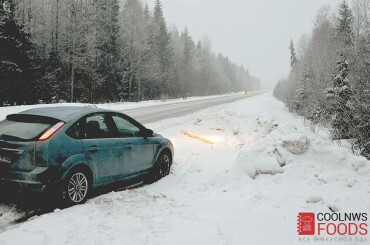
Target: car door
[(137, 151), (101, 147)]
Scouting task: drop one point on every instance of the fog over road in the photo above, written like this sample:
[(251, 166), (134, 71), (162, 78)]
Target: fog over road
[(156, 113)]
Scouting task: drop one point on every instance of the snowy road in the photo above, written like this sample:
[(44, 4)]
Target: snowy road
[(156, 113), (247, 187)]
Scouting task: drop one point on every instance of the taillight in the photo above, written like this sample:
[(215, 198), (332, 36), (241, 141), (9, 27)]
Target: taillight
[(51, 131)]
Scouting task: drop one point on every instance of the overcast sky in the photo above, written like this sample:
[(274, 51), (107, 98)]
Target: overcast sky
[(253, 33)]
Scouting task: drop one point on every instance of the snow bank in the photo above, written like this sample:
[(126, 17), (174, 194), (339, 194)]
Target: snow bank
[(270, 153)]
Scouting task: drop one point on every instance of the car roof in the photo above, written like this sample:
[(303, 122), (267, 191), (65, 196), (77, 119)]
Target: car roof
[(63, 113)]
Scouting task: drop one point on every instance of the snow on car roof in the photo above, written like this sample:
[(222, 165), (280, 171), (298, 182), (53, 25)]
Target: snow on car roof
[(63, 113)]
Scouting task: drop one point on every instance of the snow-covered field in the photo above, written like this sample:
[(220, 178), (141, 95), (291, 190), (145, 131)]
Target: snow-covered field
[(247, 188)]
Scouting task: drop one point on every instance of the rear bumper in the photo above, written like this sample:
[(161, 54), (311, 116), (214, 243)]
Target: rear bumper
[(37, 179)]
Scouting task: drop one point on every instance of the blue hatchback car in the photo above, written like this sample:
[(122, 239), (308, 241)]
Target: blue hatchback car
[(77, 149)]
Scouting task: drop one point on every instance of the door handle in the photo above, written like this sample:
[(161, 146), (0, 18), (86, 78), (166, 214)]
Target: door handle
[(128, 146), (93, 149)]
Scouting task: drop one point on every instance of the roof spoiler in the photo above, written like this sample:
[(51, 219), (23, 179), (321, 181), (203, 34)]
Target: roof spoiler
[(31, 118)]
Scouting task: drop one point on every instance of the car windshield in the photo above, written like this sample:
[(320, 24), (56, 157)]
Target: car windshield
[(21, 130)]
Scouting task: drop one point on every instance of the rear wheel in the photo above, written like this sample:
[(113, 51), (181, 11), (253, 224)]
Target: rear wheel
[(76, 187)]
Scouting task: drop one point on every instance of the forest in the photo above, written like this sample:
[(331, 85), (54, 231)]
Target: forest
[(105, 51), (329, 82)]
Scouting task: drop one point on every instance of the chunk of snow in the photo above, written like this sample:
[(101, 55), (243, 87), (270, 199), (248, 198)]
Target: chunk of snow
[(295, 143), (280, 156), (314, 199), (255, 164)]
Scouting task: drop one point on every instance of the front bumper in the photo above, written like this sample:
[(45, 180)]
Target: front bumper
[(36, 179)]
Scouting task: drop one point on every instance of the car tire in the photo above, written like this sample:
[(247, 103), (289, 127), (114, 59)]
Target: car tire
[(76, 187), (161, 168)]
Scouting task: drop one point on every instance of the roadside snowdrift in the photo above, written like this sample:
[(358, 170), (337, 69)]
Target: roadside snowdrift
[(246, 188)]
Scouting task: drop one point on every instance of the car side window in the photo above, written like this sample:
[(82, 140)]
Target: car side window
[(76, 131), (97, 126), (125, 128)]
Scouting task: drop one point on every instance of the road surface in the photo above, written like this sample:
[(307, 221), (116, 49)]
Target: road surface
[(160, 112)]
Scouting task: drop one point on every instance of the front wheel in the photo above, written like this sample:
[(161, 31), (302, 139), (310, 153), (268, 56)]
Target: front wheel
[(76, 188), (162, 167)]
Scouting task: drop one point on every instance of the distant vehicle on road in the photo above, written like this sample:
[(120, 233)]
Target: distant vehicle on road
[(72, 150)]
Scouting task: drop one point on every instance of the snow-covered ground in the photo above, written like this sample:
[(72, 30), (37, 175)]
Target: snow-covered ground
[(247, 188)]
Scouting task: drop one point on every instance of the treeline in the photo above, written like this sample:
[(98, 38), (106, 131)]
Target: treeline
[(329, 83), (105, 51)]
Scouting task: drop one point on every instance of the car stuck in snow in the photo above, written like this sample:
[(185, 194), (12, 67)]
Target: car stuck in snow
[(72, 150)]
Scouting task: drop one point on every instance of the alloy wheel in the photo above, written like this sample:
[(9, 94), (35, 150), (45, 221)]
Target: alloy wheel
[(77, 187), (164, 165)]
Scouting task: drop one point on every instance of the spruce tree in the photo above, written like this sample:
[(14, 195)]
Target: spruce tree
[(301, 97), (293, 57), (345, 23), (18, 60), (187, 83), (340, 101), (162, 46), (146, 12), (108, 57), (188, 46), (55, 79)]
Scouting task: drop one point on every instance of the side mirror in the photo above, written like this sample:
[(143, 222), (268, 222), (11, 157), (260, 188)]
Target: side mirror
[(147, 133)]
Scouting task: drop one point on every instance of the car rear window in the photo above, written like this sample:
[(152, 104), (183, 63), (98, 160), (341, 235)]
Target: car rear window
[(23, 129)]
